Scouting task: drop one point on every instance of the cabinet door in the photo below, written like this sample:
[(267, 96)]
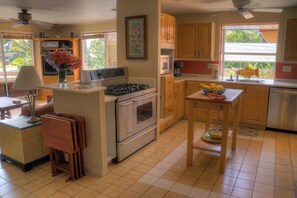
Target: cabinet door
[(163, 31), (203, 40), (186, 40), (291, 41), (171, 29), (169, 96), (179, 100), (255, 105)]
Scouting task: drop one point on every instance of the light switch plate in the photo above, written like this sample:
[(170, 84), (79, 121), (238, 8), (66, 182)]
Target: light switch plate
[(287, 69)]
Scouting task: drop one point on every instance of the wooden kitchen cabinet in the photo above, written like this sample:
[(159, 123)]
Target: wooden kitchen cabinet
[(179, 100), (254, 109), (167, 29), (72, 46), (196, 40), (291, 41)]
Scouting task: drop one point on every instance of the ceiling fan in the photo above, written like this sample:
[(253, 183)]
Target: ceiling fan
[(25, 18), (245, 7)]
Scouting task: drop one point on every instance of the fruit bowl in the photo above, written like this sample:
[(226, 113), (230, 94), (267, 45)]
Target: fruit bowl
[(207, 91)]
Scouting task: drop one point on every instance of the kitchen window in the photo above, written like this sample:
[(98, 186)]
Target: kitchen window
[(252, 46), (16, 50), (99, 50)]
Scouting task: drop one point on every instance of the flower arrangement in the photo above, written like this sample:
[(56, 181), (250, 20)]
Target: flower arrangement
[(62, 60)]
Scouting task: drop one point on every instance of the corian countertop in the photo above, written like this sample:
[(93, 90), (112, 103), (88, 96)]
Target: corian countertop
[(74, 88), (271, 83)]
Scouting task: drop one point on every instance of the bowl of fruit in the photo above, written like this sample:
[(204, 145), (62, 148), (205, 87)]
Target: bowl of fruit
[(212, 88)]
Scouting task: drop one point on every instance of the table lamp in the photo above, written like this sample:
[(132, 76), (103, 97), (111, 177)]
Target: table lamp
[(29, 80)]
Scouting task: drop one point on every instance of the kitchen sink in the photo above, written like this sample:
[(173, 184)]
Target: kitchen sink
[(250, 81)]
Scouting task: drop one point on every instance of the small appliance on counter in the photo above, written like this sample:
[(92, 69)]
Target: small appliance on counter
[(177, 66)]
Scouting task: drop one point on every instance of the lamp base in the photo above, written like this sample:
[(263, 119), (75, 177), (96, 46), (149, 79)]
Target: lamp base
[(33, 119)]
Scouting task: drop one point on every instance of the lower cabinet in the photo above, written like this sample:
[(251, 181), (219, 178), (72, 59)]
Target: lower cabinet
[(179, 100), (255, 102)]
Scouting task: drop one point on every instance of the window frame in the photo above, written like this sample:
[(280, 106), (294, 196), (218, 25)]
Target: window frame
[(223, 53), (93, 34)]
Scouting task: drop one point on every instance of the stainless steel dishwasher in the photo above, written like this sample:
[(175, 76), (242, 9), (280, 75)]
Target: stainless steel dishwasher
[(282, 109)]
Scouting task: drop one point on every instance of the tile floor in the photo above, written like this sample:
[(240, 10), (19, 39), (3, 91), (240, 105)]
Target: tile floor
[(262, 167)]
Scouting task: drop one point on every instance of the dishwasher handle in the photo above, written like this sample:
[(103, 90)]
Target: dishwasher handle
[(284, 91)]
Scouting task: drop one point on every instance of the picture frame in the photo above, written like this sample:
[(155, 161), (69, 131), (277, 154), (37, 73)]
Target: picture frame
[(136, 37)]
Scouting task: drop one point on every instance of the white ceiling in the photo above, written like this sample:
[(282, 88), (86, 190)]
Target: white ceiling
[(82, 11)]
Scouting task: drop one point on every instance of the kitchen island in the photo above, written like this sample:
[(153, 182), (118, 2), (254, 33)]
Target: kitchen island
[(200, 100), (87, 101)]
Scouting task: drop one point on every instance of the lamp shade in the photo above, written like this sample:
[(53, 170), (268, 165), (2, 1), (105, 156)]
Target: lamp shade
[(27, 79)]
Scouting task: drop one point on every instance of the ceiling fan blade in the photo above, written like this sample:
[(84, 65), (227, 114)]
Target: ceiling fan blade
[(16, 25), (246, 14), (42, 23), (43, 26), (272, 10)]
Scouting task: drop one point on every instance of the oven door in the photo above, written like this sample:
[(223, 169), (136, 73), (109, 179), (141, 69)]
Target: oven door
[(144, 112), (135, 114)]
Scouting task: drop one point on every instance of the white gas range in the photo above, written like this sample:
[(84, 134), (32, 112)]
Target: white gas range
[(135, 107)]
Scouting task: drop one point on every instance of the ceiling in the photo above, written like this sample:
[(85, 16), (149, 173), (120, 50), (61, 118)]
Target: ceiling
[(84, 11)]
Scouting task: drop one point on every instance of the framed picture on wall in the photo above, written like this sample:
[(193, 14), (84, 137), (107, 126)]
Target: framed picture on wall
[(136, 46)]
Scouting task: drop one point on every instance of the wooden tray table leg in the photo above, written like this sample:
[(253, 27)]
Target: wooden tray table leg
[(226, 111)]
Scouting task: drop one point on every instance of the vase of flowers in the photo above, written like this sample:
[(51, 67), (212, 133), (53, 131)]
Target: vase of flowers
[(62, 61)]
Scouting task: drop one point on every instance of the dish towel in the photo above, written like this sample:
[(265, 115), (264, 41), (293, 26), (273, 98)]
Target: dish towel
[(216, 96)]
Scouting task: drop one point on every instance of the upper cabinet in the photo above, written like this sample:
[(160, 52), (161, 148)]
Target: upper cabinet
[(196, 40), (167, 31), (291, 41)]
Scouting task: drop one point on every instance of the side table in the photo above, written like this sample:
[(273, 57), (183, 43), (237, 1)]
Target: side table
[(21, 143)]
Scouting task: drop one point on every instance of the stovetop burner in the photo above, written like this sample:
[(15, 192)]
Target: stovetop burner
[(125, 88)]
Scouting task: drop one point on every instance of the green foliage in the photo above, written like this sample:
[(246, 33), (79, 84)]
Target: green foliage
[(18, 51), (95, 53), (243, 36)]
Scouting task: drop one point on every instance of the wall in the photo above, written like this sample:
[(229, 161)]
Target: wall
[(151, 8), (235, 18)]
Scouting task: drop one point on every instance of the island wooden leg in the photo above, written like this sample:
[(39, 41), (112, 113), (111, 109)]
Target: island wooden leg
[(235, 126), (208, 120), (224, 138), (190, 133)]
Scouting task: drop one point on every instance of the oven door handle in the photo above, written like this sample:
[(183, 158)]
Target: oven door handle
[(124, 144), (143, 98), (125, 104)]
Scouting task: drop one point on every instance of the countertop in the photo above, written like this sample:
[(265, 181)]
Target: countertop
[(271, 83), (74, 88)]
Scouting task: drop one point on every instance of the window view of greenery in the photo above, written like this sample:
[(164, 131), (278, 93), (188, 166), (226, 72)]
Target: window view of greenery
[(100, 51), (249, 48), (17, 51)]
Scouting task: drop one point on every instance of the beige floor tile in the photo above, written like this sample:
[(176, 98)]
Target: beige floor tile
[(113, 191), (110, 178), (16, 193), (59, 194), (45, 191), (227, 180), (86, 193), (187, 180), (33, 186), (241, 193), (135, 175), (139, 187), (99, 186), (283, 192), (124, 183), (155, 192), (171, 176), (72, 189), (143, 168), (174, 195), (265, 179), (48, 178), (247, 176), (217, 195), (223, 188), (264, 188), (130, 194), (120, 171), (246, 184), (198, 193), (261, 195), (60, 183)]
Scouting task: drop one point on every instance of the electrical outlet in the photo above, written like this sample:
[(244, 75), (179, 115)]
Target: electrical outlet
[(287, 69)]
